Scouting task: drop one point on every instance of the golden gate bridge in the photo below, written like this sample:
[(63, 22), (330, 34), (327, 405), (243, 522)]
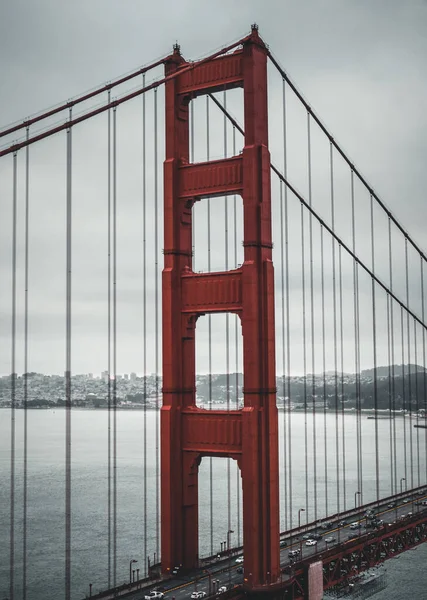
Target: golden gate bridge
[(289, 196)]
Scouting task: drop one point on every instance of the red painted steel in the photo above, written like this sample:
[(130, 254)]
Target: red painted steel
[(188, 433)]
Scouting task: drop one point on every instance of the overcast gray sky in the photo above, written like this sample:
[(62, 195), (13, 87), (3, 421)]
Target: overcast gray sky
[(360, 65)]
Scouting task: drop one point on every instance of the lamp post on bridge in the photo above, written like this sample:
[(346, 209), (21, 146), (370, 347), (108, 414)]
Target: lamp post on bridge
[(299, 532), (130, 569), (401, 487)]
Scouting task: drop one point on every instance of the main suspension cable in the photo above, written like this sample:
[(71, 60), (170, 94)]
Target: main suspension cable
[(343, 155)]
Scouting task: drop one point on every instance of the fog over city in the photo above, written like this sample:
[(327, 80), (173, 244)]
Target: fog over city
[(361, 68)]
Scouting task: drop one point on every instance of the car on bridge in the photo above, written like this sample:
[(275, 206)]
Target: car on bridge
[(198, 595), (283, 543), (222, 589), (153, 595), (330, 540), (240, 569), (311, 542), (239, 559)]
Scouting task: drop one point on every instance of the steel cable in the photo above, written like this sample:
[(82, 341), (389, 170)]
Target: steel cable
[(403, 394), (13, 388), (374, 352), (114, 345), (25, 490), (156, 315), (236, 343), (282, 283), (144, 311), (209, 330), (68, 370), (227, 325), (342, 368), (393, 381), (109, 336), (288, 334), (424, 363), (312, 330), (408, 330), (417, 404), (334, 310), (304, 338), (390, 396)]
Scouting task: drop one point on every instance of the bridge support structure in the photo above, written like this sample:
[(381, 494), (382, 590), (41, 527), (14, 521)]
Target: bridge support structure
[(189, 433)]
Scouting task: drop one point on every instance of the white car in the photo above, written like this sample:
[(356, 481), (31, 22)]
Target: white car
[(311, 543), (239, 559), (154, 595), (198, 595), (222, 589)]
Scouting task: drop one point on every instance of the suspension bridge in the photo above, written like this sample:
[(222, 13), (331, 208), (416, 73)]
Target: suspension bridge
[(250, 246)]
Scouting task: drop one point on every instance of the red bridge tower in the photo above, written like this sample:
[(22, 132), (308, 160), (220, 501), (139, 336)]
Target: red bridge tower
[(189, 433)]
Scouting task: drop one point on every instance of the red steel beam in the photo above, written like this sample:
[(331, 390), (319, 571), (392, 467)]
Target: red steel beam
[(188, 433)]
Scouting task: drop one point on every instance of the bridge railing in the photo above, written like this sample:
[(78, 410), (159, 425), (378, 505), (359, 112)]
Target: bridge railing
[(225, 554)]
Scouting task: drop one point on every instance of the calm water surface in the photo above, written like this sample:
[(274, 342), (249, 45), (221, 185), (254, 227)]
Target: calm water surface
[(138, 534)]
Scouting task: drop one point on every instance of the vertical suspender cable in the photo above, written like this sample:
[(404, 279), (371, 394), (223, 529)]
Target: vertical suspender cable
[(282, 274), (109, 334), (156, 300), (304, 338), (313, 369), (411, 450), (13, 389), (114, 350), (236, 349), (390, 395), (334, 310), (325, 402), (209, 331), (25, 498), (288, 338), (144, 308), (424, 361), (282, 282), (374, 351), (356, 338), (417, 407), (282, 278), (227, 324), (393, 382), (342, 368), (68, 376), (402, 337)]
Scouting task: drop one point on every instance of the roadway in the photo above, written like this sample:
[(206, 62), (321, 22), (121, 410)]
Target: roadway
[(224, 572)]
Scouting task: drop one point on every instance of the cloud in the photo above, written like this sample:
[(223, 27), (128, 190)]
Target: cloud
[(361, 68)]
